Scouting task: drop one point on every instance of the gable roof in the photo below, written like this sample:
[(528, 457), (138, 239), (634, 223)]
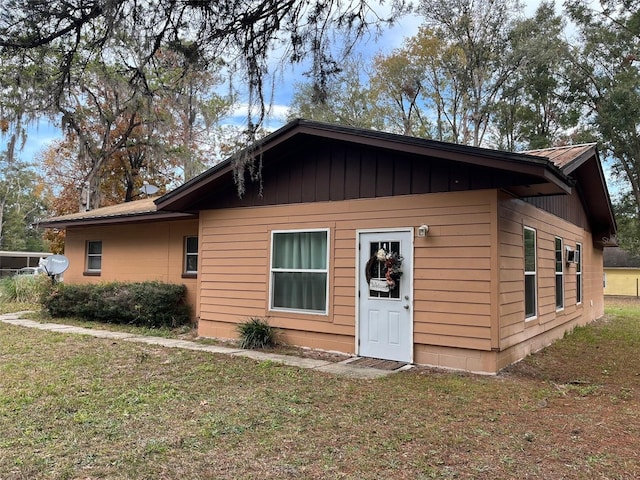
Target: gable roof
[(552, 171), (137, 210), (582, 162), (568, 157), (550, 179)]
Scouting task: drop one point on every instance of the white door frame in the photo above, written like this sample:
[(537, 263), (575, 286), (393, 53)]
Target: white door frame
[(407, 276)]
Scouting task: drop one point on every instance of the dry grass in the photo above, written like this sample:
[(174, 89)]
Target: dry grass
[(85, 408)]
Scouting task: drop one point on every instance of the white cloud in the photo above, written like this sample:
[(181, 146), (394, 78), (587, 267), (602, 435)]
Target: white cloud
[(40, 135), (276, 115)]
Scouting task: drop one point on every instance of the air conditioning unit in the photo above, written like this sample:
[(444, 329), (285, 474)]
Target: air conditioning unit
[(570, 255)]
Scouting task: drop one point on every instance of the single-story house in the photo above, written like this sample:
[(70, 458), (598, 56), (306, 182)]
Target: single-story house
[(621, 273), (131, 242), (374, 244)]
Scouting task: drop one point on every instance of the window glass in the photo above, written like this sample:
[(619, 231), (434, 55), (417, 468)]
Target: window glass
[(378, 270), (94, 248), (299, 271), (530, 296), (94, 255), (559, 274), (530, 281), (191, 255), (529, 250), (300, 250), (578, 273)]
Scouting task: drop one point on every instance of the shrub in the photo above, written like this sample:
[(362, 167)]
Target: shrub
[(256, 333), (147, 304)]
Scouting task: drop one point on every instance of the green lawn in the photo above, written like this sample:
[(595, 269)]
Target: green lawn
[(86, 408)]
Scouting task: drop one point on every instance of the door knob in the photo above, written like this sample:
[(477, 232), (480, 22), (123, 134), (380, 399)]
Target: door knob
[(406, 307)]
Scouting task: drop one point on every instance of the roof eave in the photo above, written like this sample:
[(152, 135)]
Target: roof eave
[(115, 219)]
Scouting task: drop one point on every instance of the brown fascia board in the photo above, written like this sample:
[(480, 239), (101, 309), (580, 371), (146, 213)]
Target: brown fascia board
[(605, 190), (536, 166), (580, 159), (116, 219), (594, 183)]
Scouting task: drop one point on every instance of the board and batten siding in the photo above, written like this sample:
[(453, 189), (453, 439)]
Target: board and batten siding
[(134, 252), (519, 336), (453, 280)]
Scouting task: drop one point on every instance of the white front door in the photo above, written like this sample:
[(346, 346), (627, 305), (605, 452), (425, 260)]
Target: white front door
[(385, 324)]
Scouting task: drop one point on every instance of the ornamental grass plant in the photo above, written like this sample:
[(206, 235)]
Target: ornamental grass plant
[(24, 289), (256, 333)]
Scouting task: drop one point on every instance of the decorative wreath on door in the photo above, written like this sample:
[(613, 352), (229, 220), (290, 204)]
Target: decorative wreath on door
[(392, 262)]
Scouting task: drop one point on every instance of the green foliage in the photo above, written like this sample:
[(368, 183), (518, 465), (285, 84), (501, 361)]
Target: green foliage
[(475, 73), (24, 289), (607, 82), (347, 99), (149, 304), (23, 198), (201, 33), (628, 234), (256, 333), (535, 109)]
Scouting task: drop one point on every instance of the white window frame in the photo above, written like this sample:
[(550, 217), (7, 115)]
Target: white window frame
[(533, 273), (559, 273), (188, 254), (325, 271), (579, 283), (93, 255)]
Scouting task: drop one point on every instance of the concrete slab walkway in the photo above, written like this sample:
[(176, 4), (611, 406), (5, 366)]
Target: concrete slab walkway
[(341, 368)]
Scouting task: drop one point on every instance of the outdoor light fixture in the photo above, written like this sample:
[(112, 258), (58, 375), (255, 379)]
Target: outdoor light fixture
[(422, 230)]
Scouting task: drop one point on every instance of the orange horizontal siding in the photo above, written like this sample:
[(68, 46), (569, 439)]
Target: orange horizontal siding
[(430, 273), (457, 250), (458, 287), (514, 215), (460, 319), (471, 309)]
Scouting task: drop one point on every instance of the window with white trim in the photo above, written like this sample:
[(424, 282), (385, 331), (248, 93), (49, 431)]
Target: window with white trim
[(559, 274), (578, 273), (530, 273), (191, 255), (94, 256), (299, 270)]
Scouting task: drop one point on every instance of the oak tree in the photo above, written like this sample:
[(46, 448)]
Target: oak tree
[(606, 79)]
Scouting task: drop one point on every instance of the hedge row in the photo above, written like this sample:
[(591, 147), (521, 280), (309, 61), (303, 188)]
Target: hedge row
[(149, 304)]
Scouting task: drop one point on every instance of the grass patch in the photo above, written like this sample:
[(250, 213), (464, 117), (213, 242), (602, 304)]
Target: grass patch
[(81, 407), (184, 331), (13, 307)]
